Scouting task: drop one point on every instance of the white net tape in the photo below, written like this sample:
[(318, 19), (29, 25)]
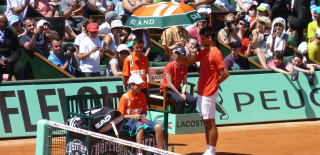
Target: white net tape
[(109, 138)]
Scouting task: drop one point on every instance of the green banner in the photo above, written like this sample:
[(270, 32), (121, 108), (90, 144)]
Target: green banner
[(245, 97)]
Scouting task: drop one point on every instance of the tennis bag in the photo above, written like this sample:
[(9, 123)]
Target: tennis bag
[(102, 118)]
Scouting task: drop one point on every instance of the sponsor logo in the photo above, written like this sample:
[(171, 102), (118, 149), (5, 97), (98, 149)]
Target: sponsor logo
[(160, 71), (105, 120), (76, 147), (195, 16), (142, 22)]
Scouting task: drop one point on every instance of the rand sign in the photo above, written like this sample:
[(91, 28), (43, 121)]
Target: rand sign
[(244, 98)]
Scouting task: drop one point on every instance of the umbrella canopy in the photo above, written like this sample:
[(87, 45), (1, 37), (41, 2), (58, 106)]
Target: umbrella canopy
[(162, 15)]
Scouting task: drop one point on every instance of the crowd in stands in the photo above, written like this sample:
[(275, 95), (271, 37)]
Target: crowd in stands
[(263, 27)]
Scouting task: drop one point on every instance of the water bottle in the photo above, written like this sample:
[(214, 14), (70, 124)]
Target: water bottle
[(172, 149)]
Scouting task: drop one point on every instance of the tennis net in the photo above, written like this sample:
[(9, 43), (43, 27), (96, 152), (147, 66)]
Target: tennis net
[(58, 139)]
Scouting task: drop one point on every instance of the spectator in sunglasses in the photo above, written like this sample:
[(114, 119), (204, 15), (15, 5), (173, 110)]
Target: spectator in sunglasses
[(227, 34), (276, 41), (113, 40), (116, 63), (233, 61), (243, 26)]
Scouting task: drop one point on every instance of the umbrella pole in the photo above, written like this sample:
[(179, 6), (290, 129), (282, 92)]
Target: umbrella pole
[(165, 34)]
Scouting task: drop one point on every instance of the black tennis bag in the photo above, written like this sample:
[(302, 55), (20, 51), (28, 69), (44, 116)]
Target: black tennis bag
[(102, 118)]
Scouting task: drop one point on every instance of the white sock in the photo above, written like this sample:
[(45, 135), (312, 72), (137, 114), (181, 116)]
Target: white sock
[(212, 150), (139, 154), (207, 151)]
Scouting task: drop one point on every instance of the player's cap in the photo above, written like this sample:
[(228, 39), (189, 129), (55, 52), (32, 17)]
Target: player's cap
[(42, 22), (116, 23), (122, 47), (136, 79), (130, 44), (13, 19), (112, 15), (303, 48), (181, 50), (236, 43), (93, 27), (264, 7)]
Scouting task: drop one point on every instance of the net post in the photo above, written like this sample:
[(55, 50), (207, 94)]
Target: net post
[(42, 137)]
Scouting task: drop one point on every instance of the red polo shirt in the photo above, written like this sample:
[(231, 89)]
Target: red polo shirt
[(177, 74)]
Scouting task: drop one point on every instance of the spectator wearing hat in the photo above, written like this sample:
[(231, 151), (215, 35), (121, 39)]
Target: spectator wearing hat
[(275, 40), (35, 40), (303, 49), (293, 26), (144, 34), (252, 13), (113, 40), (314, 26), (89, 53), (243, 26), (259, 38), (10, 51), (242, 5), (278, 8), (174, 37), (233, 61), (174, 73), (46, 30), (224, 4), (20, 8), (76, 11), (105, 28), (228, 33), (63, 59), (116, 63), (314, 47), (133, 106), (300, 9), (262, 10), (199, 25), (16, 24)]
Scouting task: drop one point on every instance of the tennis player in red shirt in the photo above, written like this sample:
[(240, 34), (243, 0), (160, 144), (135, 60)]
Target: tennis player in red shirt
[(212, 65)]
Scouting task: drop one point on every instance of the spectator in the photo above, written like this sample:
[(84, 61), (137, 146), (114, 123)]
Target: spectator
[(68, 30), (10, 51), (192, 50), (314, 26), (259, 38), (174, 73), (233, 61), (54, 6), (113, 40), (242, 5), (133, 106), (224, 4), (63, 59), (130, 6), (116, 63), (136, 63), (34, 40), (314, 49), (297, 64), (89, 53), (105, 28), (262, 10), (76, 11), (278, 8), (81, 36), (300, 9), (243, 26), (252, 15), (303, 49), (277, 63), (144, 34), (20, 8), (174, 37), (293, 26), (227, 34), (276, 41), (195, 31), (44, 8), (49, 33), (16, 24)]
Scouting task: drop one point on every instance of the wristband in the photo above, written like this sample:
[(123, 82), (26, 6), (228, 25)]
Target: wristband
[(174, 56)]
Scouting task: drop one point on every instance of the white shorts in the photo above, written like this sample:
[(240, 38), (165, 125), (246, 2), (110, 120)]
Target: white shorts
[(207, 105)]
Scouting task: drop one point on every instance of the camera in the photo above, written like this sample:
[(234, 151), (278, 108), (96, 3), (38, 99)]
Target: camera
[(245, 13), (228, 24), (197, 46), (265, 36), (69, 46), (6, 60)]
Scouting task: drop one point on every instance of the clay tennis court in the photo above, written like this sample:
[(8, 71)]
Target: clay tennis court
[(288, 138)]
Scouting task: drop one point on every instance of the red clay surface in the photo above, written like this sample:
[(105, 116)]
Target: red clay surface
[(291, 138)]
